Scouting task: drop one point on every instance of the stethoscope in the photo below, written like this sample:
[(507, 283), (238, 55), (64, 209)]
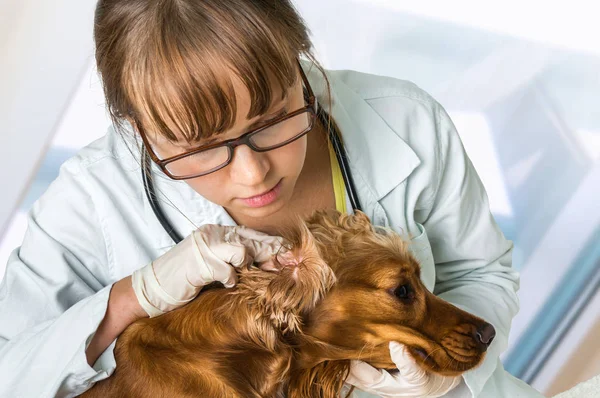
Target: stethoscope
[(338, 148)]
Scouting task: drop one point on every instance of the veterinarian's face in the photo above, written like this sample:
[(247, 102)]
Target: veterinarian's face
[(257, 184)]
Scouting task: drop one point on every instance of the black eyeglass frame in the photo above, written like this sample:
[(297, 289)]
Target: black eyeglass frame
[(311, 107)]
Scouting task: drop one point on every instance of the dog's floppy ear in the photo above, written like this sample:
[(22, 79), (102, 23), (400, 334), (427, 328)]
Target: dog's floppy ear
[(325, 380), (302, 281), (320, 369)]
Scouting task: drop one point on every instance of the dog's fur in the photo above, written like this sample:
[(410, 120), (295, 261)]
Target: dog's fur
[(343, 291)]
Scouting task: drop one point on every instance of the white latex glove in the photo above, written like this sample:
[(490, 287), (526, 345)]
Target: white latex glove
[(411, 381), (206, 255)]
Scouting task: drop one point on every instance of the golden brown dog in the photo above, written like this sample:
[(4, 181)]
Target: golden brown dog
[(342, 292)]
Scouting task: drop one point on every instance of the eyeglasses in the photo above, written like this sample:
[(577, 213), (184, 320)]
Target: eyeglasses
[(209, 158)]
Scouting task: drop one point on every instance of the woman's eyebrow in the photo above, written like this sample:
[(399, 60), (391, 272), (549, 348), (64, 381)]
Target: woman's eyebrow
[(261, 120)]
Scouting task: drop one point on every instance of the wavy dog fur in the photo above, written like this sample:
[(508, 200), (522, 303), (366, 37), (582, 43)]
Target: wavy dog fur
[(291, 327)]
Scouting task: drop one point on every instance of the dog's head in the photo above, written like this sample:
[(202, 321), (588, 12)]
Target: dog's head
[(378, 297), (345, 290)]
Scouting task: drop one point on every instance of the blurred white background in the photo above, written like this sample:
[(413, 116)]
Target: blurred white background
[(521, 81)]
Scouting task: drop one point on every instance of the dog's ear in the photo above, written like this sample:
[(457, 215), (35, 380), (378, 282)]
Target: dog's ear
[(303, 278), (320, 369), (325, 380)]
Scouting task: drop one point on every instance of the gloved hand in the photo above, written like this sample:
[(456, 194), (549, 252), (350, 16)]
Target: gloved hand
[(207, 255), (411, 382)]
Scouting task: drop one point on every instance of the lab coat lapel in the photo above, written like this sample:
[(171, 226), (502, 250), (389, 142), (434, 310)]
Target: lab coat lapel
[(379, 159)]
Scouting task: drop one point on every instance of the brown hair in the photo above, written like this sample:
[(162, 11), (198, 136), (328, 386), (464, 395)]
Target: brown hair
[(167, 64)]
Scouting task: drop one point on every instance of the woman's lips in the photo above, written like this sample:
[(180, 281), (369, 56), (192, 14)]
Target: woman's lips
[(265, 198)]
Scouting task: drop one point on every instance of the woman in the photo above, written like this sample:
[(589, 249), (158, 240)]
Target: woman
[(213, 92)]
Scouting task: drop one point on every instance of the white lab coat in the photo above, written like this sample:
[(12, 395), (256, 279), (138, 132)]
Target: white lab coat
[(94, 226)]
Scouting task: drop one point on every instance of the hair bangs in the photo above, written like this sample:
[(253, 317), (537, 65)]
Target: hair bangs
[(182, 86)]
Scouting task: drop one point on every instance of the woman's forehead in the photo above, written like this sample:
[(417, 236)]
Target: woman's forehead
[(243, 119), (244, 98)]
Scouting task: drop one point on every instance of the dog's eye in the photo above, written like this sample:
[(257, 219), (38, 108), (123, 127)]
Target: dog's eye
[(403, 292)]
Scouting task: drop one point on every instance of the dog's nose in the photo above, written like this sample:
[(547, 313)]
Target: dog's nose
[(485, 334)]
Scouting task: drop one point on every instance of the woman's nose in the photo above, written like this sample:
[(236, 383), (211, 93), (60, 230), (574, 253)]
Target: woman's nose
[(249, 167)]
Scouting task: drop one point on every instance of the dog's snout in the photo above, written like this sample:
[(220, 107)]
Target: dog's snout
[(485, 334)]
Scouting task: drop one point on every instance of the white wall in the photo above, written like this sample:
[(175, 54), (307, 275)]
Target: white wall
[(45, 48)]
